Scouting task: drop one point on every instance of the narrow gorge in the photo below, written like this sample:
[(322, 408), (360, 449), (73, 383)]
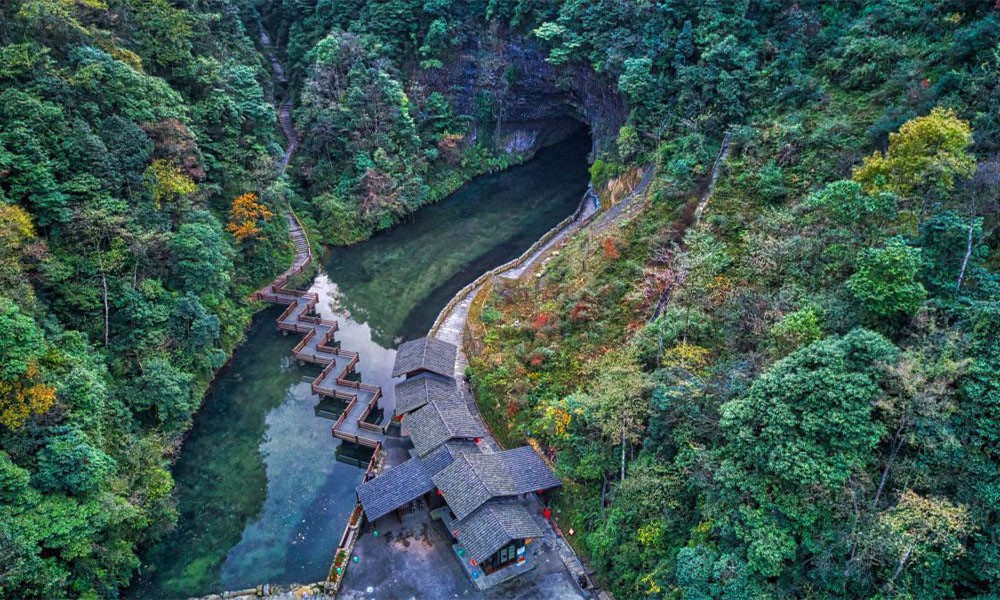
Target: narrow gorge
[(499, 299)]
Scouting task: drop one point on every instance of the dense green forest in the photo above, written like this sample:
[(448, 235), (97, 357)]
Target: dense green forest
[(796, 395), (127, 129), (790, 392)]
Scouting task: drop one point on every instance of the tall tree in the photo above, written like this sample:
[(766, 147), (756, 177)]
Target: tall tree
[(807, 423)]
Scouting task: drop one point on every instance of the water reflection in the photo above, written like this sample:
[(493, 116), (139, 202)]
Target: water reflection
[(261, 497), (399, 280), (300, 508)]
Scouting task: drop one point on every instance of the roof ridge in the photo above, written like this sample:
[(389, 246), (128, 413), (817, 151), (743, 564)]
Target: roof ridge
[(493, 459)]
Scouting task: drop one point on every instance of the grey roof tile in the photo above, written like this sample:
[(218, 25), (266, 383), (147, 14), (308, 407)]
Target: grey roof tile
[(438, 422), (471, 480), (394, 487), (493, 525), (530, 472), (409, 480), (417, 391), (443, 456), (462, 488), (426, 353)]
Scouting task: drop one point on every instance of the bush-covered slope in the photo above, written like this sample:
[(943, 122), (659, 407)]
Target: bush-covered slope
[(127, 128), (789, 398)]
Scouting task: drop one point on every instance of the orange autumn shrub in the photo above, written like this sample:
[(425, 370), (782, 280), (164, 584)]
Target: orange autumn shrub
[(244, 215), (610, 249)]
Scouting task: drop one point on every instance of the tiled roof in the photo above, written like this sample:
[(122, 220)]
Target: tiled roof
[(417, 391), (394, 487), (443, 456), (409, 480), (529, 471), (473, 479), (437, 422), (462, 488), (493, 525), (429, 354)]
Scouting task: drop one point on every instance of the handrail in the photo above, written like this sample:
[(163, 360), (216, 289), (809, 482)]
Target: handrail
[(511, 264), (372, 463), (343, 415), (353, 527), (520, 260), (364, 415), (296, 317)]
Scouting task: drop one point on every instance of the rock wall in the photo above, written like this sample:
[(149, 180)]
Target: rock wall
[(534, 102)]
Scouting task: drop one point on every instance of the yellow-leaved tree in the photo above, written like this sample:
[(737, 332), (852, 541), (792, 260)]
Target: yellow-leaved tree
[(16, 235), (168, 182), (246, 212), (22, 390), (925, 159)]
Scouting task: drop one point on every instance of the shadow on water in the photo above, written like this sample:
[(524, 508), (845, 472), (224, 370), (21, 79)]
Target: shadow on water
[(400, 279), (262, 496)]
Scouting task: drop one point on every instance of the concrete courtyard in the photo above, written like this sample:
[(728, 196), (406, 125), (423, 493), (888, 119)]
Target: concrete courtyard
[(414, 559)]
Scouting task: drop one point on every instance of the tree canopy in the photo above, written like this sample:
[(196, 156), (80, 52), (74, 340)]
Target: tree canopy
[(793, 394)]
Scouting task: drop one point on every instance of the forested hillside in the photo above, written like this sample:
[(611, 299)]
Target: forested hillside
[(782, 384), (127, 130), (797, 394)]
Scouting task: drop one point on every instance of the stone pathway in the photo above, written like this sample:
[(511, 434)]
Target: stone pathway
[(452, 329), (588, 209), (279, 71), (285, 108), (288, 127), (628, 205), (319, 347), (707, 196)]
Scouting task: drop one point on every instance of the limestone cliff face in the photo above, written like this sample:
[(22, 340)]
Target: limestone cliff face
[(533, 102)]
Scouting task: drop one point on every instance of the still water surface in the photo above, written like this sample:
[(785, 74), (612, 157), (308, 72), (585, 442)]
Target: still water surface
[(260, 495)]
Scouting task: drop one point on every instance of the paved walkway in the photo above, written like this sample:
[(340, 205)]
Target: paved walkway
[(452, 329), (452, 322), (588, 208), (318, 346), (707, 196), (288, 127), (286, 107), (627, 207)]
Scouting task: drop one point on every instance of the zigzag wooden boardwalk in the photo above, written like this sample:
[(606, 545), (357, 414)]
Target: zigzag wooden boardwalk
[(338, 379)]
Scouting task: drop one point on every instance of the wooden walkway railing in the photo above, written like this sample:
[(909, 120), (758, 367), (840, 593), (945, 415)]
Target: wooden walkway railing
[(514, 263), (318, 347)]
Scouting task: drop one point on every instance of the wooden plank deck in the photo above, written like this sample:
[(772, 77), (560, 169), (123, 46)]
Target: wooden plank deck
[(318, 346)]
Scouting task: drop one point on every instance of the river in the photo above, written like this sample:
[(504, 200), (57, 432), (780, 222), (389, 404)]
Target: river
[(261, 497)]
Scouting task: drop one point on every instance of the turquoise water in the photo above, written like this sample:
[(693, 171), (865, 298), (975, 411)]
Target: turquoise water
[(261, 496)]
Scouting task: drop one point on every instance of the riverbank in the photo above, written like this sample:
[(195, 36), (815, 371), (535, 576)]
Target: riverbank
[(262, 497), (454, 324), (255, 461), (475, 162)]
